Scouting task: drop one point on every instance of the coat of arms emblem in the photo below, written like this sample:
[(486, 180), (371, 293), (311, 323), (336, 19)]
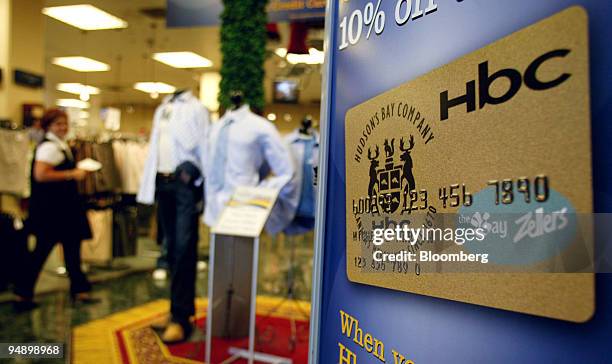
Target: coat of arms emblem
[(391, 184)]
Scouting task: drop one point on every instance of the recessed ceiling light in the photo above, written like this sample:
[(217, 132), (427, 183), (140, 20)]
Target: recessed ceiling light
[(77, 88), (182, 59), (81, 64), (281, 52), (85, 16), (151, 87), (75, 103), (314, 56)]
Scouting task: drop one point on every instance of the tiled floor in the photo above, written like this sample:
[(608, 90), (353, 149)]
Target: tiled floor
[(53, 320)]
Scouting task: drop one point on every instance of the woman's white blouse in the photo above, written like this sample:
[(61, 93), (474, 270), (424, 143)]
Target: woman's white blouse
[(51, 151)]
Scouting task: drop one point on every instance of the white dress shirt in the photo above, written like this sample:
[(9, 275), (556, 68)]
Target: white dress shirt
[(254, 147), (188, 126), (166, 162)]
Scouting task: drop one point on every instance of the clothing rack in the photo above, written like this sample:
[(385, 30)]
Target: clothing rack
[(6, 124), (127, 137), (10, 127)]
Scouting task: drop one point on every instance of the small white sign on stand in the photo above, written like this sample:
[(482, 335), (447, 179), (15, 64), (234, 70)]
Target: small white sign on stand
[(244, 216), (247, 212)]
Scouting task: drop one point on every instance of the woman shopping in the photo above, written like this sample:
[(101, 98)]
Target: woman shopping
[(57, 212)]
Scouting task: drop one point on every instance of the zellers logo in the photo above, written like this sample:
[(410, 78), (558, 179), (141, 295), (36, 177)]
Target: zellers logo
[(538, 223)]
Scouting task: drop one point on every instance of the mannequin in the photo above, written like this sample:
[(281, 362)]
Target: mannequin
[(242, 148), (177, 93), (236, 97), (173, 176), (306, 125), (303, 144)]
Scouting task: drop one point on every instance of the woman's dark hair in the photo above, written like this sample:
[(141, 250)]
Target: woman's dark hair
[(50, 116)]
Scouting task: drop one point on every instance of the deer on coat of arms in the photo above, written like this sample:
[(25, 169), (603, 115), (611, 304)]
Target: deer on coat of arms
[(407, 167), (373, 170)]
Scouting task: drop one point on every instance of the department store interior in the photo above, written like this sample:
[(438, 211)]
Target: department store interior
[(123, 87)]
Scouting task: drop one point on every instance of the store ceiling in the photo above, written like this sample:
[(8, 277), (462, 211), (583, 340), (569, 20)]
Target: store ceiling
[(128, 52)]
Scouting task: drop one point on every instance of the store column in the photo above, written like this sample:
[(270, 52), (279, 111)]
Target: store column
[(21, 48)]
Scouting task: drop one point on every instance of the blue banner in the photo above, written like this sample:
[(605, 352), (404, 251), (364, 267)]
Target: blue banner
[(366, 58), (193, 13)]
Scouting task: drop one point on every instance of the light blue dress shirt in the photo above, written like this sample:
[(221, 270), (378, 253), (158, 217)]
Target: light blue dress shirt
[(254, 147), (297, 147), (306, 206), (189, 124)]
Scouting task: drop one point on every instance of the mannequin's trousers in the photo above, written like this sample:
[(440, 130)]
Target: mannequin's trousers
[(179, 212)]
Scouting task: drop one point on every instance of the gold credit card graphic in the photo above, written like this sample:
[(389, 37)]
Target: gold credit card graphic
[(503, 130)]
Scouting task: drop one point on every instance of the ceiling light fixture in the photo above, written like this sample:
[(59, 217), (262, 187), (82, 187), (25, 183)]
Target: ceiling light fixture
[(85, 17), (281, 52), (314, 56), (77, 88), (152, 87), (74, 103), (182, 59), (81, 64)]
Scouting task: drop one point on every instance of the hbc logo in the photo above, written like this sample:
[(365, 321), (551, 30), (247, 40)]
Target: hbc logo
[(485, 80)]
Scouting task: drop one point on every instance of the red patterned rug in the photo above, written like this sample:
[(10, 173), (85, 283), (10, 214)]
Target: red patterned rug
[(126, 337)]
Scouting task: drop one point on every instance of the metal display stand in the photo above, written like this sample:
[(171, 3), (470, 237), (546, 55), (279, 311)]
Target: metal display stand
[(242, 220), (289, 298), (238, 353)]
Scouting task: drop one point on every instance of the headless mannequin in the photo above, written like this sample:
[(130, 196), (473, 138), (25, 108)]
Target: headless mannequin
[(305, 129), (237, 99), (178, 93), (306, 136)]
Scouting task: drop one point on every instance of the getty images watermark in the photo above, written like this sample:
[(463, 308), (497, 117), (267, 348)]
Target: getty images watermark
[(405, 234), (553, 240)]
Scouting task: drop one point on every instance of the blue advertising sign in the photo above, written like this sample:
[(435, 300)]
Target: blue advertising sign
[(193, 13), (438, 65)]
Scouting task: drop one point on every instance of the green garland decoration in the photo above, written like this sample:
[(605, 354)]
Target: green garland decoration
[(243, 47)]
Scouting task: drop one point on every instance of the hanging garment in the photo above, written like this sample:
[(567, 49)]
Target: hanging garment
[(14, 148), (99, 249), (125, 230), (251, 147), (305, 156), (130, 158), (137, 157), (83, 150), (106, 179), (120, 153), (188, 125)]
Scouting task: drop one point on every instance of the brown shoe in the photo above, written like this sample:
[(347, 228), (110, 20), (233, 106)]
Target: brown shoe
[(174, 334), (161, 324)]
